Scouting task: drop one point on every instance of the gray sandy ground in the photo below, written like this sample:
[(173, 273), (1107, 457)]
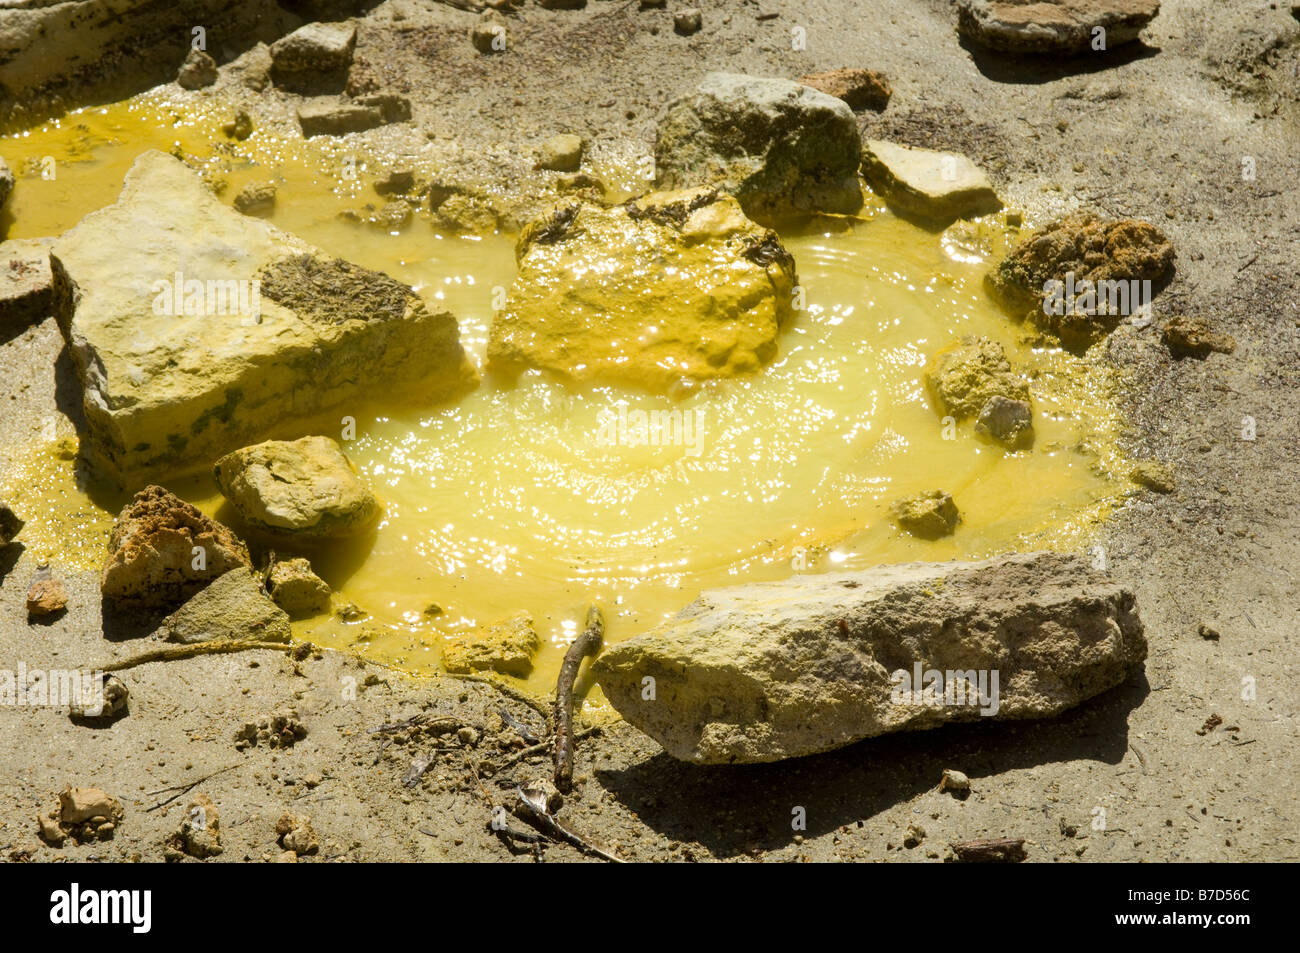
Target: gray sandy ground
[(1158, 132)]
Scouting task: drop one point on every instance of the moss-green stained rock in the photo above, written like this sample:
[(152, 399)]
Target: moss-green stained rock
[(183, 357), (507, 646), (670, 286), (963, 377), (782, 149), (303, 487)]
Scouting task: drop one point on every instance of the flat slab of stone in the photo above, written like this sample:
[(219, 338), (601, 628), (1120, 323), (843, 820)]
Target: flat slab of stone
[(924, 183), (769, 671), (781, 148), (1053, 26), (671, 286), (338, 119), (197, 330)]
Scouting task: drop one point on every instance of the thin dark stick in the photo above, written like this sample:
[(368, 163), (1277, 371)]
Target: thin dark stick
[(586, 644)]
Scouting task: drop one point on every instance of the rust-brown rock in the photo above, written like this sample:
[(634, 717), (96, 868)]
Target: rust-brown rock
[(860, 88), (163, 550), (1097, 260)]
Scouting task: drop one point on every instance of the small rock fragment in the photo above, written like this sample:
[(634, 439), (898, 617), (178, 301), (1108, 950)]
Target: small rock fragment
[(30, 288), (915, 835), (1193, 337), (296, 589), (102, 700), (955, 783), (281, 729), (964, 377), (929, 515), (1006, 850), (256, 197), (10, 525), (46, 596), (198, 70), (1009, 422), (396, 182), (314, 57), (241, 127), (860, 88), (200, 831), (337, 119), (1209, 633), (687, 22), (296, 834), (507, 646), (489, 34), (562, 153), (1153, 475)]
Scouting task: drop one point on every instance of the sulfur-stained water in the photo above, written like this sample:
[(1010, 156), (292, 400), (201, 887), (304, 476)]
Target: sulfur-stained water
[(524, 496)]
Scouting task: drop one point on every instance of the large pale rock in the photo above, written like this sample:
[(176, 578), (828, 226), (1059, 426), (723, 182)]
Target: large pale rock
[(778, 670), (233, 607), (303, 487), (923, 183), (1054, 26), (270, 330), (1075, 276), (667, 287), (163, 550), (781, 148)]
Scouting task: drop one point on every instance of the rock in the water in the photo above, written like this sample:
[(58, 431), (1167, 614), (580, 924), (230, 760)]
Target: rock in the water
[(296, 589), (314, 57), (197, 71), (1154, 475), (187, 350), (296, 834), (10, 524), (303, 487), (778, 670), (46, 596), (233, 607), (200, 831), (860, 88), (1009, 422), (163, 550), (929, 515), (338, 119), (562, 153), (1054, 26), (1080, 276), (240, 127), (782, 149), (964, 377), (396, 182), (30, 289), (667, 287), (507, 646), (256, 197), (925, 184), (1193, 337)]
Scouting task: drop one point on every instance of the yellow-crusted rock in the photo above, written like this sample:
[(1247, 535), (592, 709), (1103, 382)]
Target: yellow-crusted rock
[(669, 287)]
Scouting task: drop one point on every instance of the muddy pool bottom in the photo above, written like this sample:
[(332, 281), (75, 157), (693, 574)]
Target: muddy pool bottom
[(534, 495)]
